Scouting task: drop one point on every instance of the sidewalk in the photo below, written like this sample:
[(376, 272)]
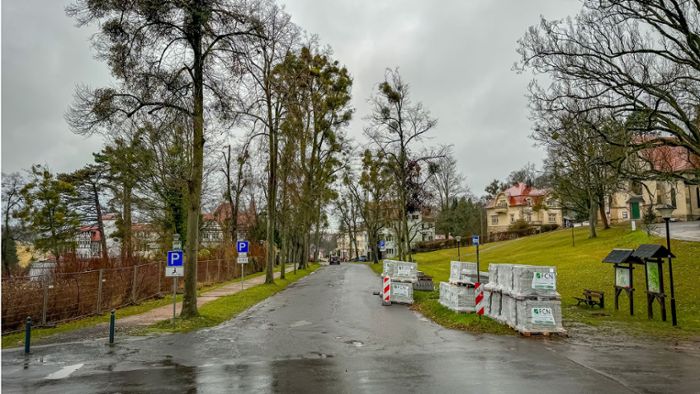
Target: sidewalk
[(166, 312), (132, 323), (683, 231)]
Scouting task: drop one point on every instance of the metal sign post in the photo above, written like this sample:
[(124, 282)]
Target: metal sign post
[(175, 268), (242, 249), (174, 297), (475, 241)]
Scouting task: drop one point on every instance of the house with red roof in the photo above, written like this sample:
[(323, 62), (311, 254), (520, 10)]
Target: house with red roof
[(89, 239), (522, 202)]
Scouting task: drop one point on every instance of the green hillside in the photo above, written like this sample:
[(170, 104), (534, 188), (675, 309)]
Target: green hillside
[(580, 267)]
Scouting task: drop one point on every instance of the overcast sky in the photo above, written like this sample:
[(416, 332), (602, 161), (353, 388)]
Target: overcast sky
[(456, 55)]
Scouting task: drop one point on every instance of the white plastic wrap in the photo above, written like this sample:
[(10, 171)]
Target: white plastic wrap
[(457, 298), (505, 277), (533, 280), (401, 271), (508, 310), (402, 292), (461, 272), (495, 305), (535, 317)]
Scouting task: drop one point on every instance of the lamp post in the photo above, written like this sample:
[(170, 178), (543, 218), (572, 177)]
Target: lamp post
[(666, 211), (459, 257)]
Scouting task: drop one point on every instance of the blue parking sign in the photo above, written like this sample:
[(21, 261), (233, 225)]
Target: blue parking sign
[(175, 258), (475, 239), (242, 246)]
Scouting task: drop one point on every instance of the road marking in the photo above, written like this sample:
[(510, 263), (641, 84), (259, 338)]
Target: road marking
[(64, 372)]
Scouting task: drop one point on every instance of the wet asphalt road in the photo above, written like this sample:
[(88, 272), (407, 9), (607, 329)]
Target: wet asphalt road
[(328, 333)]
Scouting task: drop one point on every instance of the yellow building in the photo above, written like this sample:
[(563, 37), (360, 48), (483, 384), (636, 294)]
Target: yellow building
[(677, 191), (522, 202), (633, 204)]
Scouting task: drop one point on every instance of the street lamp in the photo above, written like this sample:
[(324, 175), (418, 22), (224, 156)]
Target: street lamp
[(458, 238), (666, 211)]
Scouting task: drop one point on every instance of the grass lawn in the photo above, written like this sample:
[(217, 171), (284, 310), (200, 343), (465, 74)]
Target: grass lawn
[(227, 307), (580, 267), (17, 339)]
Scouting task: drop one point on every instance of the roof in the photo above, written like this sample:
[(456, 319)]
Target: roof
[(94, 231), (518, 194), (246, 217), (208, 217), (618, 256), (142, 227), (665, 158), (651, 251)]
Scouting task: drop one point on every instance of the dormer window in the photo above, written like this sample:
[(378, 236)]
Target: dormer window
[(529, 201)]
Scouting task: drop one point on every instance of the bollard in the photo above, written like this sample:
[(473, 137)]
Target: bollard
[(27, 335), (112, 321)]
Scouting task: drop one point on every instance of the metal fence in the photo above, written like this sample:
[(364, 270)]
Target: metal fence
[(58, 297)]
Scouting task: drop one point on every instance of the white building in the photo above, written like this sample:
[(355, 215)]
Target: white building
[(89, 239), (421, 227)]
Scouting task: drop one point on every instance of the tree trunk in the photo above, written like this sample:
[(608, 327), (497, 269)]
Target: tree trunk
[(374, 244), (407, 237), (127, 239), (603, 216), (593, 214), (285, 253), (318, 237), (100, 226), (271, 192), (194, 186)]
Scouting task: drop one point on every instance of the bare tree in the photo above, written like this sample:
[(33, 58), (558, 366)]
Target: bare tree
[(624, 58), (446, 180), (12, 201), (396, 126)]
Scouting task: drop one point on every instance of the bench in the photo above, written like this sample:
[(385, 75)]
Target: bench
[(592, 298)]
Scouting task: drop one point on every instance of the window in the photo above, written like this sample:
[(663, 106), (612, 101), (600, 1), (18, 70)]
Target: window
[(673, 197), (552, 217), (529, 217), (697, 196), (529, 202), (512, 218), (625, 215), (494, 219)]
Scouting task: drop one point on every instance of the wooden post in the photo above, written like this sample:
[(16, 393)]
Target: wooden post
[(46, 304), (99, 291), (133, 286)]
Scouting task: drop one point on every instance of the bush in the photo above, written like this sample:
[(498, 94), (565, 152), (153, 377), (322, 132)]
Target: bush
[(429, 246), (548, 227), (520, 227)]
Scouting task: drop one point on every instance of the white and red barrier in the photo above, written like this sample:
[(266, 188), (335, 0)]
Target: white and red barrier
[(386, 290), (479, 298)]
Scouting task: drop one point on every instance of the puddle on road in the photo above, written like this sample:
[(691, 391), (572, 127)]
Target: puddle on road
[(317, 355), (64, 372), (299, 323)]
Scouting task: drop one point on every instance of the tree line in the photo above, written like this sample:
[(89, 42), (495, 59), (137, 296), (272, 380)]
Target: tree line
[(227, 101)]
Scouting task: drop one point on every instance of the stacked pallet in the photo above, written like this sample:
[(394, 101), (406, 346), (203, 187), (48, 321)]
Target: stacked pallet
[(525, 298), (403, 275), (457, 298), (459, 294)]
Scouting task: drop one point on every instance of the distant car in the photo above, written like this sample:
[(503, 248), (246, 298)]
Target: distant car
[(363, 258), (334, 260)]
